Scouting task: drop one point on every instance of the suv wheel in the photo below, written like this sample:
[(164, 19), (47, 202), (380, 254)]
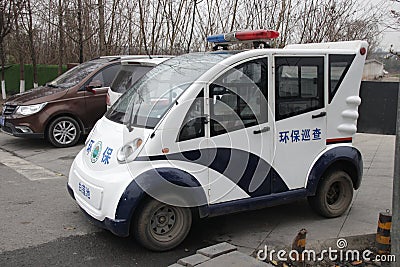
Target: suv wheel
[(63, 132)]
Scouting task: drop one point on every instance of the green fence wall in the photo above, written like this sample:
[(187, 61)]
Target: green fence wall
[(46, 73)]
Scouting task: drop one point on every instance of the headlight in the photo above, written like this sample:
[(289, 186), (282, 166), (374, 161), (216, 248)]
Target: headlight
[(29, 110), (126, 153)]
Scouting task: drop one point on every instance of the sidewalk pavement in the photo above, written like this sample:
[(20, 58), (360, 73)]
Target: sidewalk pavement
[(277, 229)]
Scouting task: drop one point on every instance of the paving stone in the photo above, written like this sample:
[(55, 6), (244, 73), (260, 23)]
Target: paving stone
[(217, 250), (193, 260), (235, 259)]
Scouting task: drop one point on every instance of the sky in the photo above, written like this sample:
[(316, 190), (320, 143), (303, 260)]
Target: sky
[(389, 36)]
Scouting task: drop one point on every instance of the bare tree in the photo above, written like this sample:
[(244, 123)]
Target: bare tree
[(192, 27), (102, 35), (31, 42), (60, 36), (6, 19), (396, 15), (18, 7), (80, 30), (142, 25), (83, 29)]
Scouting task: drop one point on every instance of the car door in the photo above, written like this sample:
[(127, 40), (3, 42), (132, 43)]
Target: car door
[(96, 100), (300, 113), (240, 131)]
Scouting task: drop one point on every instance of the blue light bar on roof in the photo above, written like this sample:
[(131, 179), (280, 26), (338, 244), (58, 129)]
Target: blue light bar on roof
[(216, 38)]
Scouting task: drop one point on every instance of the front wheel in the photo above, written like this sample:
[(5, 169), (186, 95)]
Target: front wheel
[(334, 194), (63, 132), (161, 227)]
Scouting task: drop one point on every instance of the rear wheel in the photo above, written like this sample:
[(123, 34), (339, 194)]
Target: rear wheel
[(63, 132), (334, 194), (161, 227)]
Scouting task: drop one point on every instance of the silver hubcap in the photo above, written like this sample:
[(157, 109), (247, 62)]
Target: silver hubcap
[(64, 132)]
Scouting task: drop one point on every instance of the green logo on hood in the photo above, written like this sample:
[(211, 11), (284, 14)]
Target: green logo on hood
[(96, 152)]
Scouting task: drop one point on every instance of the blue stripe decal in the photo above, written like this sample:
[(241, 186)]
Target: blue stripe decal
[(250, 172), (150, 183), (345, 154), (254, 203)]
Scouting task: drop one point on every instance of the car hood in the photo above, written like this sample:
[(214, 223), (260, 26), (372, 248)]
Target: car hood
[(104, 142), (37, 95)]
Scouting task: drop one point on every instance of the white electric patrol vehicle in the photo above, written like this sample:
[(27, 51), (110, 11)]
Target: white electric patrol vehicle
[(206, 134)]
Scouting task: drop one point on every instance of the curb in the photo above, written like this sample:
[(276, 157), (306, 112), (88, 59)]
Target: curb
[(225, 254), (222, 254)]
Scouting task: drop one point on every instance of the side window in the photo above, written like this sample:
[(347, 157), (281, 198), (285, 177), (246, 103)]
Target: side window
[(109, 74), (338, 67), (127, 76), (238, 98), (106, 75), (193, 126), (299, 85), (98, 78)]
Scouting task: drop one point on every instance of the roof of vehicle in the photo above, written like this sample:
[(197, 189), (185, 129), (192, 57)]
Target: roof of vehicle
[(126, 57), (350, 47), (343, 45), (145, 61)]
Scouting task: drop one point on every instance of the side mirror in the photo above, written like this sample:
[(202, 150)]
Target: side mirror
[(93, 85)]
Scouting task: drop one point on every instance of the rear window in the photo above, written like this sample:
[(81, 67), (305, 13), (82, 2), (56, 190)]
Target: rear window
[(338, 67), (127, 76)]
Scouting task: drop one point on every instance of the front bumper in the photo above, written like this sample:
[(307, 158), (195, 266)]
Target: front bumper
[(17, 131), (118, 227)]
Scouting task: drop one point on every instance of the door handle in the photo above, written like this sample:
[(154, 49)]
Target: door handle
[(263, 130), (322, 114)]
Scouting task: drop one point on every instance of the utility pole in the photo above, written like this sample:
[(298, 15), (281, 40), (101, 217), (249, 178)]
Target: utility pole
[(395, 231)]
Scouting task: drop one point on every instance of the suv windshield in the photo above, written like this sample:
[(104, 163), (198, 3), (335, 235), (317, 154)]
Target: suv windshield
[(77, 74), (148, 100), (127, 76)]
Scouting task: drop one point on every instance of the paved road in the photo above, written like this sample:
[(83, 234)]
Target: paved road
[(41, 225)]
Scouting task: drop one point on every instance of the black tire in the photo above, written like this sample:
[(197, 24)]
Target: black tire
[(63, 132), (334, 194), (161, 227)]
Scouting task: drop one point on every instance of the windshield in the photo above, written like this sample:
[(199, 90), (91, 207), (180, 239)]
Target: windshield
[(148, 100), (127, 76), (73, 76)]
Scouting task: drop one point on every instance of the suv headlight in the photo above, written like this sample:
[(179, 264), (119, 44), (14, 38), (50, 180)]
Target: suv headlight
[(30, 109), (127, 152)]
